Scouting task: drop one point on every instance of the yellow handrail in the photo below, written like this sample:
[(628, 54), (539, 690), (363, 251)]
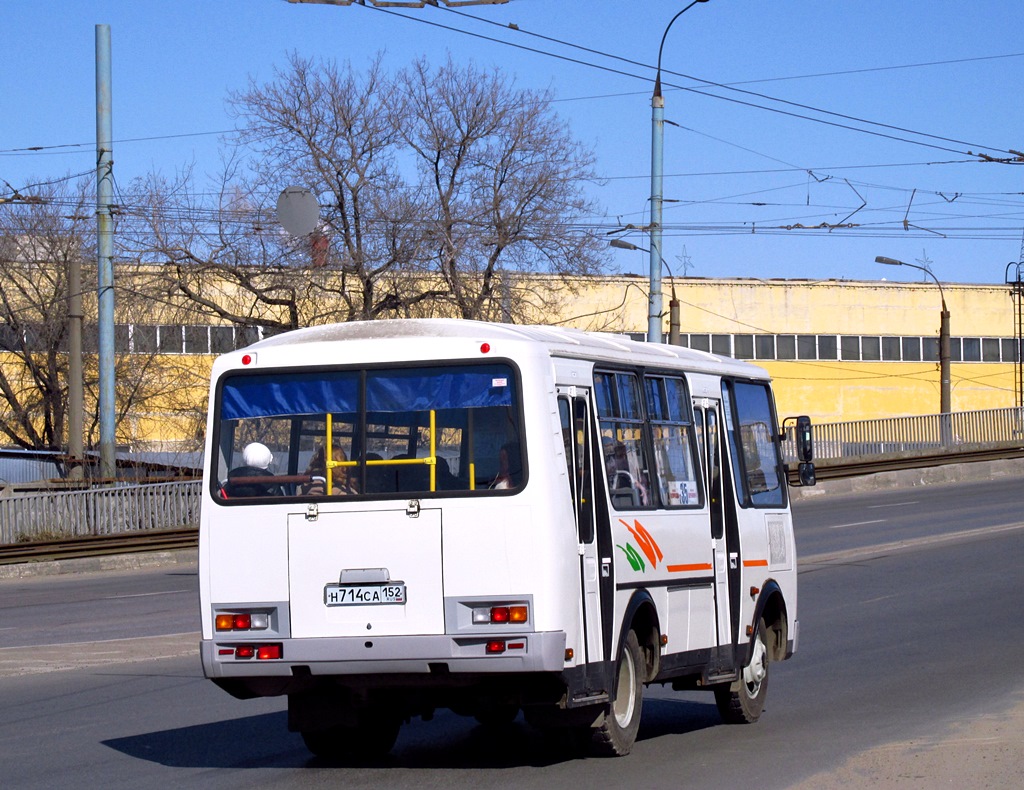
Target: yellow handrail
[(430, 461)]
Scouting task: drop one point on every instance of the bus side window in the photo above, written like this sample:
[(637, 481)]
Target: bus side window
[(576, 440), (757, 458), (624, 439)]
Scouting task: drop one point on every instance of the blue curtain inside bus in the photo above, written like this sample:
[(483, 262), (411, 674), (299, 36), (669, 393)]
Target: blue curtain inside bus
[(274, 395)]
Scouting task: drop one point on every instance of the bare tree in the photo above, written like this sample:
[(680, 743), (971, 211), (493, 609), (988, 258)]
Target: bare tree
[(501, 185), (38, 239), (438, 189)]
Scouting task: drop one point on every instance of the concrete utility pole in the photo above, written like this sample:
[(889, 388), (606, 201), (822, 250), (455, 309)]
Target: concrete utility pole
[(654, 302), (105, 250), (76, 400)]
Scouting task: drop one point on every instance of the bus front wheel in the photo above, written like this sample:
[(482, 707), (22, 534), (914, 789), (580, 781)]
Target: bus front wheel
[(616, 733), (742, 701)]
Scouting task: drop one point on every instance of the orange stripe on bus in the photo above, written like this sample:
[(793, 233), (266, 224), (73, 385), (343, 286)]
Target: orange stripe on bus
[(755, 563), (700, 566)]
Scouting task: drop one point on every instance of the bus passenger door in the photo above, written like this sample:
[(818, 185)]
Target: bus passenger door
[(577, 434), (707, 413)]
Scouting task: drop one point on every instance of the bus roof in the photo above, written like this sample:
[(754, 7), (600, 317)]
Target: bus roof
[(558, 341)]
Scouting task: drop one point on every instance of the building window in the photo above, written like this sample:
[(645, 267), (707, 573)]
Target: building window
[(972, 349), (1009, 349), (246, 336), (700, 342), (197, 340), (170, 339), (222, 339), (10, 339), (871, 349), (785, 346), (850, 348), (827, 347), (911, 349), (806, 347), (955, 349), (990, 349), (930, 349), (764, 345), (143, 339), (744, 346), (721, 345), (891, 349)]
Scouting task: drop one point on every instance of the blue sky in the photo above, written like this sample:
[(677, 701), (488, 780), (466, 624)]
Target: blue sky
[(748, 179)]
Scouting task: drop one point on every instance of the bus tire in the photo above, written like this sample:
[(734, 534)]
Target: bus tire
[(371, 740), (616, 734), (742, 701)]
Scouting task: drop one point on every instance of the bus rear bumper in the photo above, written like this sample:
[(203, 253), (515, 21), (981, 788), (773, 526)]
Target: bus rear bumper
[(390, 655)]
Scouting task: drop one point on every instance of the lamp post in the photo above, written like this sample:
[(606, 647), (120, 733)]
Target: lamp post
[(673, 303), (657, 176), (944, 407)]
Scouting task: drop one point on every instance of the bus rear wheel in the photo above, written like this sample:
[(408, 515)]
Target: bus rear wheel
[(370, 740), (742, 701), (616, 734)]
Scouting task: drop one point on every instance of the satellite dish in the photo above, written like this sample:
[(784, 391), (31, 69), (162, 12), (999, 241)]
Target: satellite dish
[(297, 211)]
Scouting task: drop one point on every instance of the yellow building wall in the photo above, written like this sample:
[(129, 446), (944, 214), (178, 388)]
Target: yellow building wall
[(831, 391)]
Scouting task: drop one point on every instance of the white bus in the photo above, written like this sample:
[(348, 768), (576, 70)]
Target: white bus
[(401, 516)]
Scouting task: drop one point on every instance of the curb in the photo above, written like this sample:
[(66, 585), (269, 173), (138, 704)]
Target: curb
[(913, 478), (142, 560)]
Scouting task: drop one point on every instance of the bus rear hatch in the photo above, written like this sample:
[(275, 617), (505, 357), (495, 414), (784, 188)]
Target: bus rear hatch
[(365, 573)]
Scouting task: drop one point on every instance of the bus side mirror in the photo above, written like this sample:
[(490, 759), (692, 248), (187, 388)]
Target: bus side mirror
[(804, 440)]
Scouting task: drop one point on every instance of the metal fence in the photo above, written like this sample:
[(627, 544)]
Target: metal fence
[(930, 434), (134, 508), (99, 511)]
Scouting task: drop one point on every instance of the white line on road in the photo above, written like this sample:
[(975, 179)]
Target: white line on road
[(882, 549), (857, 523)]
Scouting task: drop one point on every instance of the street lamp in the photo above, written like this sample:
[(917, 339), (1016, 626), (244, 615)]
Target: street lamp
[(657, 177), (943, 332), (673, 303)]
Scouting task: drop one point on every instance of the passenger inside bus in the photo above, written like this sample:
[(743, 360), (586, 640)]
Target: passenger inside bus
[(510, 467), (341, 481), (627, 489), (256, 462)]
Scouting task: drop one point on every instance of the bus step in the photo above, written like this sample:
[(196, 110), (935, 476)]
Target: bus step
[(590, 698), (722, 676)]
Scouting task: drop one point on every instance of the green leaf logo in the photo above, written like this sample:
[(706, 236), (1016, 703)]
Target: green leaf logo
[(636, 562)]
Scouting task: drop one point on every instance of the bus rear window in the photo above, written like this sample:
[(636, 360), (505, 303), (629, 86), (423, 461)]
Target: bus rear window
[(379, 432)]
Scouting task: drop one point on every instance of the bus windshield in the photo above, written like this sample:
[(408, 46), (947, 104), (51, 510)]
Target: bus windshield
[(374, 432)]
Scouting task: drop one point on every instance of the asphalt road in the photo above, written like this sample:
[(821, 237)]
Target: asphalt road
[(909, 606)]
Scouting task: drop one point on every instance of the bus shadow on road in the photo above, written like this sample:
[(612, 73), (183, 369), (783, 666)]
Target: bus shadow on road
[(447, 741), (261, 741)]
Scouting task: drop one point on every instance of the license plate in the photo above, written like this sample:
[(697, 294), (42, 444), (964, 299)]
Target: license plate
[(364, 594)]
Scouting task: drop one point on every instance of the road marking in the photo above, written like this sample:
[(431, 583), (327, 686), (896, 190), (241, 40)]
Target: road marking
[(858, 523), (145, 595), (894, 504), (883, 549)]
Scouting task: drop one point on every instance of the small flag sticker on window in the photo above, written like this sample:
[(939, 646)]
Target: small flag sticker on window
[(499, 382)]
